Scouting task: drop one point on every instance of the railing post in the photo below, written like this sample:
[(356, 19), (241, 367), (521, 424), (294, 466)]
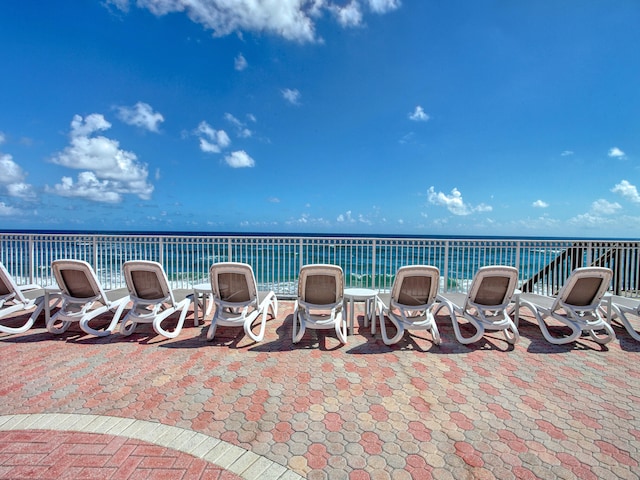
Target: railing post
[(446, 266), (518, 246), (229, 250), (95, 253), (300, 257), (32, 263), (373, 264), (161, 250)]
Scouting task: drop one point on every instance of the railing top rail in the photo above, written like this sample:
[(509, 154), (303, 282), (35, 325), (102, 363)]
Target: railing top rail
[(323, 237)]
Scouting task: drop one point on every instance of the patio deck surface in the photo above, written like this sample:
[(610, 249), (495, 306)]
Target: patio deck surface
[(76, 406)]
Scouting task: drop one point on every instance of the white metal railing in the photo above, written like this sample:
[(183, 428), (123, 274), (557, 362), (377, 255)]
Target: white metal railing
[(543, 265)]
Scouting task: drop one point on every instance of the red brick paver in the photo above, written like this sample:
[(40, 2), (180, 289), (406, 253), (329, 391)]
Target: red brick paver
[(47, 454), (328, 411)]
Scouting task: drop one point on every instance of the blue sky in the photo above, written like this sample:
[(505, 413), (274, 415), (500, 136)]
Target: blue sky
[(322, 116)]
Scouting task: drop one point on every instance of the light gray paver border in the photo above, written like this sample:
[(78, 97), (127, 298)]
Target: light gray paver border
[(244, 463)]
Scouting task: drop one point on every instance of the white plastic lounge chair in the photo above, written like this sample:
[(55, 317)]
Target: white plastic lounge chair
[(485, 305), (14, 298), (409, 305), (81, 292), (320, 301), (153, 299), (576, 305), (237, 300), (621, 308)]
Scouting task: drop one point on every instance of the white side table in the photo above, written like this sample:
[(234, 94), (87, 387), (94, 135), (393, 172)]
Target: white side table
[(366, 295), (202, 292), (51, 293)]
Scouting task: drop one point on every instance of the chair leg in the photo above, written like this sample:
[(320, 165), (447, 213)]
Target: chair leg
[(456, 328), (263, 322), (511, 333), (341, 329), (157, 322), (436, 334), (84, 323), (29, 323), (626, 323), (51, 328), (297, 320), (211, 332), (128, 326), (575, 331), (383, 328), (608, 336), (116, 317)]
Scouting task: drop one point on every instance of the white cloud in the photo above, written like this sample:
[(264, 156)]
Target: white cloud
[(241, 127), (7, 210), (212, 140), (88, 187), (419, 115), (627, 190), (141, 115), (540, 204), (615, 152), (407, 138), (82, 127), (21, 190), (598, 216), (120, 4), (3, 138), (566, 153), (239, 159), (12, 178), (10, 171), (291, 96), (590, 220), (306, 219), (603, 207), (290, 19), (115, 171), (346, 217), (240, 63), (348, 15), (384, 6), (454, 202)]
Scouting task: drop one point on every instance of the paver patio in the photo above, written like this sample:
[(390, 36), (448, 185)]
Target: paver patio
[(198, 409)]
